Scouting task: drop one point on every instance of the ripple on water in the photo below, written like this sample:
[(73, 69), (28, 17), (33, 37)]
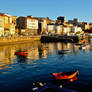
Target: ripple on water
[(20, 74)]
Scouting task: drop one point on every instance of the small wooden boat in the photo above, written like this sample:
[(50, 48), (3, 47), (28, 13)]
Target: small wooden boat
[(64, 51), (21, 53), (83, 47), (79, 44), (73, 79), (47, 87), (65, 75)]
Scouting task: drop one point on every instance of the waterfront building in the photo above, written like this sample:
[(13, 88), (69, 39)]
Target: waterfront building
[(60, 20), (75, 22), (14, 18), (89, 30), (54, 29), (70, 22), (43, 24), (51, 28), (65, 30), (59, 29), (6, 25), (7, 21), (1, 25), (12, 29), (76, 30), (27, 25), (90, 26), (9, 26), (83, 25)]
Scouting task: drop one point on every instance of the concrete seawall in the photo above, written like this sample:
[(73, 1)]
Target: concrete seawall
[(24, 39), (14, 40), (60, 38)]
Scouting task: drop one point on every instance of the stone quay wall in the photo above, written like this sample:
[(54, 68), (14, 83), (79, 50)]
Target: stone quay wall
[(14, 40)]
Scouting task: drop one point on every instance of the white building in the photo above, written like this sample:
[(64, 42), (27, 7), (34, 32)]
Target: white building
[(32, 23), (1, 26), (59, 29), (12, 29), (76, 30), (51, 28)]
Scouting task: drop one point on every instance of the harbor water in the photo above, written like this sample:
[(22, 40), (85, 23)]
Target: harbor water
[(17, 73)]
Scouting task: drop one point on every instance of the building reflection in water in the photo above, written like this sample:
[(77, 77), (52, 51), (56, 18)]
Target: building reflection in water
[(21, 59), (8, 56), (52, 48), (36, 50), (62, 57), (59, 46), (40, 51), (43, 50), (63, 46), (68, 46)]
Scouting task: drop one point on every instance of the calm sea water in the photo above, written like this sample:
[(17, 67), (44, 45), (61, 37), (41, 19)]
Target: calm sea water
[(18, 73)]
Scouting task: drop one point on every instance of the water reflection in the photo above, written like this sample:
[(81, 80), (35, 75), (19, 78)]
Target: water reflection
[(62, 57), (35, 51), (42, 59), (22, 59), (40, 51), (21, 52)]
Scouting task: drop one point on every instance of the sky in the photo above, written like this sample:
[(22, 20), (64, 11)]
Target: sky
[(81, 9)]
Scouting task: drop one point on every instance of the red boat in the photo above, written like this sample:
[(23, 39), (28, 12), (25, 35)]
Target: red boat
[(22, 53), (73, 79), (65, 75)]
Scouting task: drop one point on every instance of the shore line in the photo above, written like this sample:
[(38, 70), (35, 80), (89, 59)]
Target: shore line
[(24, 39), (15, 40)]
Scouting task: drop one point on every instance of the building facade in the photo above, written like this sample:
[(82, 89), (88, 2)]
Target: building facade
[(51, 28), (27, 25), (43, 24), (60, 20), (1, 25), (7, 26)]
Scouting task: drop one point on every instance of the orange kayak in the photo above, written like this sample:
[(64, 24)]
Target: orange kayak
[(66, 75), (73, 79)]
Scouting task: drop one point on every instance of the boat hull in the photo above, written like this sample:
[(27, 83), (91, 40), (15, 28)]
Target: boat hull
[(64, 51), (63, 76), (21, 53), (47, 87)]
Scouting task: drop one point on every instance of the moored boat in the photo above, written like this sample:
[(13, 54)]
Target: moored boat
[(79, 44), (21, 53), (64, 51), (65, 75), (83, 47), (73, 79), (47, 87)]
